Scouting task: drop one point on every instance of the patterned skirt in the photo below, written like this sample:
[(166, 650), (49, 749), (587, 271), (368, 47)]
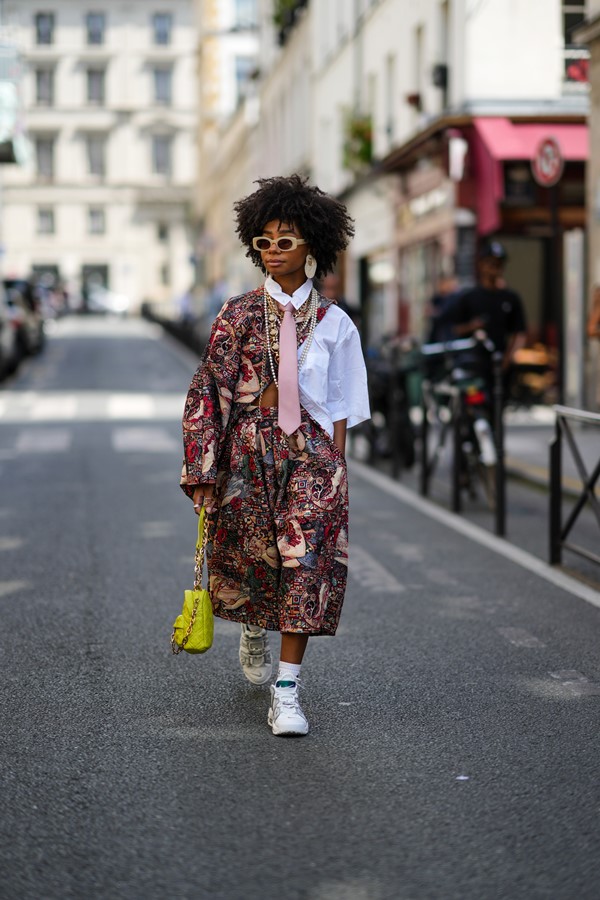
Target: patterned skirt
[(278, 542)]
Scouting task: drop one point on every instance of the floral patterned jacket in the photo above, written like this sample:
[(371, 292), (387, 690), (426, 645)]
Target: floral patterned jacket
[(230, 372)]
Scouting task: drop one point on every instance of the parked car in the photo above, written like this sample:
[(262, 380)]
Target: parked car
[(26, 312), (9, 347)]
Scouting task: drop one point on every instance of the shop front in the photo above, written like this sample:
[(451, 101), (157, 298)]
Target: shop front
[(470, 178), (371, 285)]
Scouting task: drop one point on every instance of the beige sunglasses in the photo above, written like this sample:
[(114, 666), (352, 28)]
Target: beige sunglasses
[(285, 244)]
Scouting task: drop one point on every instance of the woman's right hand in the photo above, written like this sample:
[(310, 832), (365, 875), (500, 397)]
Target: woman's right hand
[(204, 494)]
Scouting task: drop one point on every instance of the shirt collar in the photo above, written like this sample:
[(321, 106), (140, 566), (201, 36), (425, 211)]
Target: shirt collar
[(297, 298)]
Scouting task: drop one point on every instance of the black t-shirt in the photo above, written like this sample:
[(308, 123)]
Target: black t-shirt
[(501, 311)]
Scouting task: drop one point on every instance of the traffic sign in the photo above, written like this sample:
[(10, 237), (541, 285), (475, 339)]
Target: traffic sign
[(547, 165)]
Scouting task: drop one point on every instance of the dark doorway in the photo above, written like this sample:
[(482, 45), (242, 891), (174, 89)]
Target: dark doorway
[(92, 276)]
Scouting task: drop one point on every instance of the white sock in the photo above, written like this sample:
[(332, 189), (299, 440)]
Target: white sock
[(288, 672)]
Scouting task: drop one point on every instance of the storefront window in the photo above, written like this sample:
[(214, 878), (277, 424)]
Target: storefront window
[(420, 268), (576, 57)]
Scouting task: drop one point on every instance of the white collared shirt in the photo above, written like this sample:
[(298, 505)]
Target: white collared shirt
[(333, 379)]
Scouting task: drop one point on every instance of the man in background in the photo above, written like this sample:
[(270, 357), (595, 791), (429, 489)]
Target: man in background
[(439, 310), (491, 307)]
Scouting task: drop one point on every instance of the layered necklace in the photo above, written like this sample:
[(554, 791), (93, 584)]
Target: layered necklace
[(305, 324)]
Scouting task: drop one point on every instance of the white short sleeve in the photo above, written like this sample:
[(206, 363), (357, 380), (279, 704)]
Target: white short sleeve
[(347, 391)]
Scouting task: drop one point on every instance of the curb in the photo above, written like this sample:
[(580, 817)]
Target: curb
[(539, 476)]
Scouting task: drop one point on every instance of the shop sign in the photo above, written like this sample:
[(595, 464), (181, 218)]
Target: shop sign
[(548, 163), (429, 202), (423, 205)]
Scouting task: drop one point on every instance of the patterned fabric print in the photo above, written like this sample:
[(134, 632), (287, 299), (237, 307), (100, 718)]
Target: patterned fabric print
[(229, 372), (278, 555)]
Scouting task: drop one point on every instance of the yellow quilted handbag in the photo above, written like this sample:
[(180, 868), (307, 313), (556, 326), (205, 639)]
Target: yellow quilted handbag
[(193, 630)]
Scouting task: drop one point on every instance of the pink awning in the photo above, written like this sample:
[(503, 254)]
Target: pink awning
[(498, 139), (509, 140)]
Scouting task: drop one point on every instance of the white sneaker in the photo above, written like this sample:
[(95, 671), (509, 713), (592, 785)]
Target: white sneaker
[(255, 655), (285, 714)]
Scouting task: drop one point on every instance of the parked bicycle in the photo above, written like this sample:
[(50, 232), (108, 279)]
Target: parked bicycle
[(390, 434), (461, 396)]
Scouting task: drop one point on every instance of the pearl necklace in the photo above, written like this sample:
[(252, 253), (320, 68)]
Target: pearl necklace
[(312, 315)]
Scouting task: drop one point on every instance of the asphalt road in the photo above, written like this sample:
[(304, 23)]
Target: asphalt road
[(454, 749)]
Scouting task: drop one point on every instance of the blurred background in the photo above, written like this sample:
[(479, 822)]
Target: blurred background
[(130, 128)]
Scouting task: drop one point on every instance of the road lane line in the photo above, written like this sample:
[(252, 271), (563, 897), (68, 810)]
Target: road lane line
[(54, 408), (521, 638), (130, 406), (13, 587), (568, 684), (475, 533), (24, 407), (44, 440), (143, 440), (370, 574)]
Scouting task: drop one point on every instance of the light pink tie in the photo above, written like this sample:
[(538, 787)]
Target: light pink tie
[(289, 398)]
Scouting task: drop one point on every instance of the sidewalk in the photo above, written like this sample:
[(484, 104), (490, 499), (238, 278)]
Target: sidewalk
[(528, 435)]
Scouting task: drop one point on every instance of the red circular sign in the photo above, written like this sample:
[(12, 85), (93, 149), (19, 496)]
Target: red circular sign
[(548, 163)]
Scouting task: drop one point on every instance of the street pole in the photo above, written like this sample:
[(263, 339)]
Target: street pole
[(555, 287), (500, 485)]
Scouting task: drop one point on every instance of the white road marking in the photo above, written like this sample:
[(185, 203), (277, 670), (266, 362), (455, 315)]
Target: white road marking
[(21, 407), (13, 587), (53, 408), (407, 552), (568, 684), (157, 529), (11, 543), (521, 638), (143, 440), (44, 440), (370, 574), (478, 535), (130, 406)]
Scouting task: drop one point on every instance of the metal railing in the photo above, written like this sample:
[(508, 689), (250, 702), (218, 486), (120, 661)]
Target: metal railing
[(455, 404), (559, 531)]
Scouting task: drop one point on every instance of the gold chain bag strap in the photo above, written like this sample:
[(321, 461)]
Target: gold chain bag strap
[(193, 630)]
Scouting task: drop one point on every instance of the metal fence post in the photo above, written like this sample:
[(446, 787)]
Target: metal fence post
[(555, 542), (457, 414), (424, 472), (500, 487), (394, 413)]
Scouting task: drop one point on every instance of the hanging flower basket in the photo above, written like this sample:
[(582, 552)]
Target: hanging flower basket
[(358, 143)]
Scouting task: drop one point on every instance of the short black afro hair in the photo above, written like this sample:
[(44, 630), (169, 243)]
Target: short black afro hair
[(321, 220)]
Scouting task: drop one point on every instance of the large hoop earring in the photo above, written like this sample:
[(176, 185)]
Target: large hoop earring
[(310, 266)]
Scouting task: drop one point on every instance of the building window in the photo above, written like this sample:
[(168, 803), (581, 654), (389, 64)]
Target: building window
[(245, 15), (165, 274), (44, 157), (390, 96), (95, 86), (96, 154), (96, 220), (162, 26), (244, 68), (162, 86), (44, 28), (45, 220), (44, 87), (162, 233), (576, 67), (95, 27), (161, 154)]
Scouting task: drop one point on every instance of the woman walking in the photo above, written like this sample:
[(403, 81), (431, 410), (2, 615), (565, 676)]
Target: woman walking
[(264, 431)]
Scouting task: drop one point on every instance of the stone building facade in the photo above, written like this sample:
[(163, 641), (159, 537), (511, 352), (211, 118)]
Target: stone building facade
[(110, 105)]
